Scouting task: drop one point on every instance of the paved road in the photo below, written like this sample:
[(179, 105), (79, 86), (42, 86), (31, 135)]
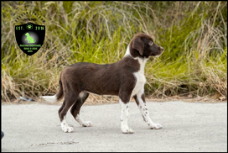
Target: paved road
[(186, 127)]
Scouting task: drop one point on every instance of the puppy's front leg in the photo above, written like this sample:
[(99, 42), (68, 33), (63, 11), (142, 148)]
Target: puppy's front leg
[(124, 117), (140, 100)]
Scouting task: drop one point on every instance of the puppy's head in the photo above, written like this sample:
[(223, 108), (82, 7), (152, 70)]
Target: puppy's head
[(142, 45)]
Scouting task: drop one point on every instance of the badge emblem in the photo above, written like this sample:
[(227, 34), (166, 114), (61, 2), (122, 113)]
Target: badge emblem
[(30, 37)]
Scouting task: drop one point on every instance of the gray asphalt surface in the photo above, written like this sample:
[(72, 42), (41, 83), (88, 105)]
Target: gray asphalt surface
[(186, 127)]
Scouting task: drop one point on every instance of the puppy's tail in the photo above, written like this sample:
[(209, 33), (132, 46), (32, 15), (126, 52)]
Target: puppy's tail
[(56, 97), (50, 99), (60, 93)]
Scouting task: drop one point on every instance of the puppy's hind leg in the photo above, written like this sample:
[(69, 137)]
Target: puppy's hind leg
[(68, 102), (75, 110)]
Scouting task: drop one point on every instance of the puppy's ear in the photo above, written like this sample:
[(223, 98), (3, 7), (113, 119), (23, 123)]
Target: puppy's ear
[(138, 45)]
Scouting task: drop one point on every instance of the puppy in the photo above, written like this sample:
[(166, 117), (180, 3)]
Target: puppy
[(124, 78)]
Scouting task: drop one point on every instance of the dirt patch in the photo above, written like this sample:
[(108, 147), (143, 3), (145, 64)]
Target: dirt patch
[(99, 100)]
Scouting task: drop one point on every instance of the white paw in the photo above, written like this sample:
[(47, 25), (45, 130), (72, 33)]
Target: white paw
[(66, 128), (127, 130), (87, 124), (155, 126)]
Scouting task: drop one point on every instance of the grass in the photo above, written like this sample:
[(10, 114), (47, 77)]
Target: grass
[(193, 34)]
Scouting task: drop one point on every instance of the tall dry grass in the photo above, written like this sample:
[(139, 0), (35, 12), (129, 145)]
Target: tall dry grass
[(193, 34)]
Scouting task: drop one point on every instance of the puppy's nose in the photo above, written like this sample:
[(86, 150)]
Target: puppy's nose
[(161, 48)]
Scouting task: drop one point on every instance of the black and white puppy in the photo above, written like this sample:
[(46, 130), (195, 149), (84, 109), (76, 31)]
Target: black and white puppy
[(124, 78)]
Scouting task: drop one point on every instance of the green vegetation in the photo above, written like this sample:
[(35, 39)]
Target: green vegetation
[(193, 35)]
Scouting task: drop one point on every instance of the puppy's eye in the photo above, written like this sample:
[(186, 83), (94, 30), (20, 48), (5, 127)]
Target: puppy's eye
[(151, 43)]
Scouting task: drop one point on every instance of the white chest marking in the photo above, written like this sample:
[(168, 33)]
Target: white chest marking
[(140, 77)]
